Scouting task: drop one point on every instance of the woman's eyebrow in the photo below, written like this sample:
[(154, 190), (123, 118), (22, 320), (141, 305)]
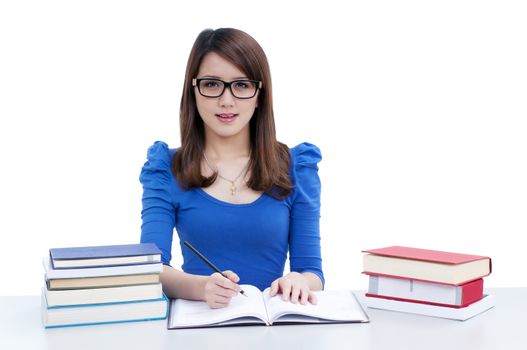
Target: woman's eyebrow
[(217, 77)]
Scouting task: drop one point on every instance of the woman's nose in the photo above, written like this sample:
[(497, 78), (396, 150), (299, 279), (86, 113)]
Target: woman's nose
[(227, 98)]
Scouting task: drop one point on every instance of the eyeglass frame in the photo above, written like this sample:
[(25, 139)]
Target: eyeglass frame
[(227, 84)]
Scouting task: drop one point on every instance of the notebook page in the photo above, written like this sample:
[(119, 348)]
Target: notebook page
[(190, 313), (338, 306)]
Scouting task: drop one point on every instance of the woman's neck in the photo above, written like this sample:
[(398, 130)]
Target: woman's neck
[(227, 148)]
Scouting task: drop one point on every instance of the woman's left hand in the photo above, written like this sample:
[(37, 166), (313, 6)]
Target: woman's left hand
[(294, 287)]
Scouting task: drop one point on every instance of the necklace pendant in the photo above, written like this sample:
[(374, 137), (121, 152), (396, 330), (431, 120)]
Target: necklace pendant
[(233, 189)]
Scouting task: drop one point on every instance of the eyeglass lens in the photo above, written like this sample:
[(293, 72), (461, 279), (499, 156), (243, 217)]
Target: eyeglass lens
[(239, 88)]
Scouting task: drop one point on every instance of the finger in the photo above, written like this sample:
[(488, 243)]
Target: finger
[(274, 288), (232, 276), (312, 298), (222, 299), (295, 293), (215, 300), (225, 292), (228, 284), (221, 281), (285, 285), (304, 296), (217, 305)]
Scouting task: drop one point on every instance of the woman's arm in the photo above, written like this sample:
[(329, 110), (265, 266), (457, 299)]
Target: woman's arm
[(304, 230), (158, 221), (215, 289), (178, 284)]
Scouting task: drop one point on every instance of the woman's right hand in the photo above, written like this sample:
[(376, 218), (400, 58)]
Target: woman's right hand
[(220, 290)]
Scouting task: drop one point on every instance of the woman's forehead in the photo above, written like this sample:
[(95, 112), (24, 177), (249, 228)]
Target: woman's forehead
[(215, 66)]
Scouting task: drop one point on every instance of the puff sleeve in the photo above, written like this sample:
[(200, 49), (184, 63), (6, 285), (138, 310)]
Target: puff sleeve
[(158, 214), (304, 225)]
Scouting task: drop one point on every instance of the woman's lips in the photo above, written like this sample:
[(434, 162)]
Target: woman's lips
[(226, 117)]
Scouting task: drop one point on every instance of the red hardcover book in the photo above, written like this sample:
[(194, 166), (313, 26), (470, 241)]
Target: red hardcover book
[(426, 265), (403, 289)]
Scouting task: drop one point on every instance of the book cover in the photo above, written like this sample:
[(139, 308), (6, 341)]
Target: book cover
[(460, 314), (426, 265), (426, 255), (84, 315), (258, 308), (425, 292), (52, 273), (111, 255)]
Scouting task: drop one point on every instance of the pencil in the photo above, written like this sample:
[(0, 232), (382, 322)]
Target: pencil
[(207, 261)]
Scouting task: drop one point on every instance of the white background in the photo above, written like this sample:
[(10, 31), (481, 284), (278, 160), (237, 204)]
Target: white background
[(419, 108)]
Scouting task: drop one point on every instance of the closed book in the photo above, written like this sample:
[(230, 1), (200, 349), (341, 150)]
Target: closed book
[(111, 255), (52, 273), (81, 315), (460, 314), (426, 265), (103, 295), (425, 292), (105, 281)]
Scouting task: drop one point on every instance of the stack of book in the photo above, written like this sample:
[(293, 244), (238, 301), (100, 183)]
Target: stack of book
[(428, 282), (103, 284)]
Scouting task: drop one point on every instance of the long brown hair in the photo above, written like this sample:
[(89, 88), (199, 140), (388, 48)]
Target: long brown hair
[(270, 159)]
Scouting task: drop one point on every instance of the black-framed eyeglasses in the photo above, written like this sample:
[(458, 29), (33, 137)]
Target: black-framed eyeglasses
[(239, 88)]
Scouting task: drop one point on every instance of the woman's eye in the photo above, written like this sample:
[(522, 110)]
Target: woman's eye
[(210, 84), (242, 85)]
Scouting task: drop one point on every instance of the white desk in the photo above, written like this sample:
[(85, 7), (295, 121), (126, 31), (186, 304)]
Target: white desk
[(503, 327)]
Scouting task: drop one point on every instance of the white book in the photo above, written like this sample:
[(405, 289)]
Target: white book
[(66, 316), (461, 314), (103, 295), (427, 292), (259, 308), (52, 273)]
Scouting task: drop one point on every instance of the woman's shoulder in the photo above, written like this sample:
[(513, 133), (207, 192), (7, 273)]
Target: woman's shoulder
[(305, 154), (304, 173), (158, 161), (159, 150)]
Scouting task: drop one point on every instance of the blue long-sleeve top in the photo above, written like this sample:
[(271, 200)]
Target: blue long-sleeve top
[(251, 239)]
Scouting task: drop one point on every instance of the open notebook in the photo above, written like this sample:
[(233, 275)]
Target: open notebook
[(260, 309)]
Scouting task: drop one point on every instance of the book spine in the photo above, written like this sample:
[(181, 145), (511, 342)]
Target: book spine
[(472, 292)]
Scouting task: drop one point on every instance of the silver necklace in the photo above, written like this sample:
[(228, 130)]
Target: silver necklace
[(233, 182)]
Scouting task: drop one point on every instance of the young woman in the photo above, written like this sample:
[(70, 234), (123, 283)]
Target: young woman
[(233, 191)]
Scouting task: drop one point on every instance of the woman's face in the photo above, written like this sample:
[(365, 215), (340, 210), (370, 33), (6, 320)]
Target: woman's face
[(225, 116)]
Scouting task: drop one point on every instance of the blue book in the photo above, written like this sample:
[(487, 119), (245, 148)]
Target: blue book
[(91, 314), (103, 256)]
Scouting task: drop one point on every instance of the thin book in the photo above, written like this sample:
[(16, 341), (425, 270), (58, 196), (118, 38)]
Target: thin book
[(426, 265), (460, 314), (425, 292), (52, 273), (82, 315), (102, 256)]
